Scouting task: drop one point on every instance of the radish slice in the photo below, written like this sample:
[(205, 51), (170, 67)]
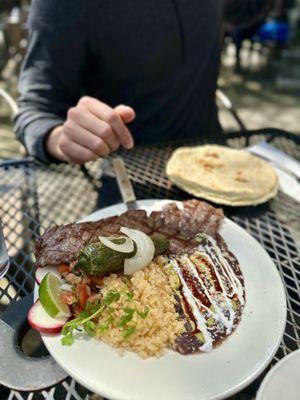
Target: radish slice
[(41, 272), (144, 251), (126, 247), (42, 322)]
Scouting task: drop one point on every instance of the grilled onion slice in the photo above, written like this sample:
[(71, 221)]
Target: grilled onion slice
[(126, 247), (144, 251)]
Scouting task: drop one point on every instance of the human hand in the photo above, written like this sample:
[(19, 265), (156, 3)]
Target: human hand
[(92, 130)]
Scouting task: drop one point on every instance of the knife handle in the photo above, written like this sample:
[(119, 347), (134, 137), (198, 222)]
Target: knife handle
[(123, 180)]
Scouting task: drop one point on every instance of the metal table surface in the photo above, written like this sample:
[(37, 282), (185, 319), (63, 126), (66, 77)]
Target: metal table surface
[(34, 196)]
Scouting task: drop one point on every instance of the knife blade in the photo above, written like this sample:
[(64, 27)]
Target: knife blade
[(277, 157), (4, 258), (287, 168), (124, 184)]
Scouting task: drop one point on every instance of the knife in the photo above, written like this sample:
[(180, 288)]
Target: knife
[(277, 157), (4, 259), (124, 184), (287, 168)]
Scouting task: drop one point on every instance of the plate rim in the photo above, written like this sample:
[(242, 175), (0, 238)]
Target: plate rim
[(229, 392), (273, 370)]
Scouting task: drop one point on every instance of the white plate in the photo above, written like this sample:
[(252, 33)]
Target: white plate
[(216, 375), (282, 381)]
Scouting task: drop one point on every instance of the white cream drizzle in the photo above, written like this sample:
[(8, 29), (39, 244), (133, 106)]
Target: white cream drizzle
[(219, 314), (200, 321), (223, 311), (218, 257)]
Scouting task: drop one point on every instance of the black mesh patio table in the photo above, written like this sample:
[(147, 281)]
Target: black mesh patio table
[(34, 196)]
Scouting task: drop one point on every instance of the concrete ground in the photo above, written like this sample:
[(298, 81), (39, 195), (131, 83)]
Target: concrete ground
[(265, 94), (9, 146)]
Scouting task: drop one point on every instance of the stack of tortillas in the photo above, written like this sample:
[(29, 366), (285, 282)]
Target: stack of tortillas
[(222, 175)]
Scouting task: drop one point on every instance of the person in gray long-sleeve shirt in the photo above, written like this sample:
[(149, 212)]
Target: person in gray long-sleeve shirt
[(99, 74)]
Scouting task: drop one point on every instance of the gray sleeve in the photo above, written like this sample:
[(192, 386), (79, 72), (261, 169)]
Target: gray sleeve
[(50, 79)]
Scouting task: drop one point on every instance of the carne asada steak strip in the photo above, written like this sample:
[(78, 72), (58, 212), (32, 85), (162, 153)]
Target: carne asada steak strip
[(61, 244)]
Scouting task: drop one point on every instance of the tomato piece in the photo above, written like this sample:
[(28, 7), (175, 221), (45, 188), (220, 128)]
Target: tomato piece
[(63, 268), (83, 292), (68, 297), (97, 280)]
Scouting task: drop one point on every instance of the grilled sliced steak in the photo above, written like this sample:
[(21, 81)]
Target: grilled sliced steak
[(61, 244)]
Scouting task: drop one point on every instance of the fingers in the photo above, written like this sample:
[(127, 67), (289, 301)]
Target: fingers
[(108, 135), (92, 130), (75, 153), (126, 113), (80, 123), (110, 116), (81, 136)]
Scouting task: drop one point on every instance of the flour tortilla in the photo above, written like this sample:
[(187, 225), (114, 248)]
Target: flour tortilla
[(222, 175)]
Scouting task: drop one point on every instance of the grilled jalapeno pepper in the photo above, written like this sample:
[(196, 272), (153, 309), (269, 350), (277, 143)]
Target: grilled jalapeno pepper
[(97, 259)]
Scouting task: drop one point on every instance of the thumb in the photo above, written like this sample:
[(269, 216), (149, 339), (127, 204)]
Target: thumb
[(126, 113)]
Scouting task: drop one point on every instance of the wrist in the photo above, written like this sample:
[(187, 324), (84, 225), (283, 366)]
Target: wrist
[(52, 144)]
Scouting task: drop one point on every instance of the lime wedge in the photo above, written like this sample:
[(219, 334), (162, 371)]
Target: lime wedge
[(49, 293)]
